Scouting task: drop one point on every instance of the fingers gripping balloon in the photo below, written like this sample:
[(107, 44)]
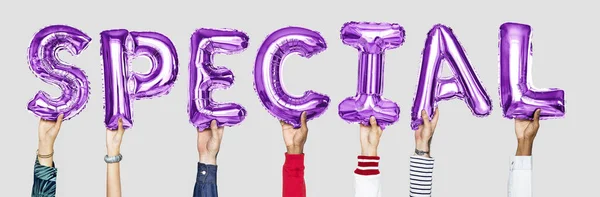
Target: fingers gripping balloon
[(371, 40), (267, 79), (442, 44), (204, 77), (44, 62), (519, 98), (121, 84)]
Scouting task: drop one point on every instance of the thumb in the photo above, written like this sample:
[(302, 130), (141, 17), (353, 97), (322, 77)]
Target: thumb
[(57, 125), (120, 129), (536, 116), (425, 118), (213, 125), (59, 122), (373, 122), (303, 120)]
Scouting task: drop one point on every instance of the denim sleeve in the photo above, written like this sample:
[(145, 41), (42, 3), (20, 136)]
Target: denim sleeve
[(44, 180), (206, 181)]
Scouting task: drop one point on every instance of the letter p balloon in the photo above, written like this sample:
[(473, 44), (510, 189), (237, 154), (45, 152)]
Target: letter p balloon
[(122, 84)]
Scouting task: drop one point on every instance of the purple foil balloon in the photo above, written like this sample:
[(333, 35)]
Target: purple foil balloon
[(122, 84), (45, 64), (371, 40), (267, 79), (205, 77), (519, 98), (442, 45)]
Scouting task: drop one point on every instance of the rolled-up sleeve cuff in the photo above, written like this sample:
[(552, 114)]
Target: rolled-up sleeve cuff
[(367, 165), (44, 172), (521, 162), (207, 173)]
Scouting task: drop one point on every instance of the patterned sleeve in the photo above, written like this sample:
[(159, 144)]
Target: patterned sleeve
[(44, 181)]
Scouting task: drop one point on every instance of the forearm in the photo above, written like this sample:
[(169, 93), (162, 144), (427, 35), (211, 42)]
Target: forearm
[(44, 180), (520, 178), (421, 169), (45, 154), (113, 180), (421, 175), (293, 176), (367, 178), (524, 147), (206, 181)]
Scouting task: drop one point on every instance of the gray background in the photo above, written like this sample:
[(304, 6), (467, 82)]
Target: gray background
[(472, 154)]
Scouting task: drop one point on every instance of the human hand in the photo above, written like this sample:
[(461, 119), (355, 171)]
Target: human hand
[(295, 138), (425, 132), (47, 133), (369, 137), (113, 140), (526, 131), (209, 143)]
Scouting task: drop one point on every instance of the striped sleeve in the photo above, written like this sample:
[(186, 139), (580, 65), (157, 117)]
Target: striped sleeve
[(421, 171), (367, 177), (367, 165)]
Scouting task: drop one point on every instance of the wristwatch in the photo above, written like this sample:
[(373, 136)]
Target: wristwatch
[(113, 159), (420, 152)]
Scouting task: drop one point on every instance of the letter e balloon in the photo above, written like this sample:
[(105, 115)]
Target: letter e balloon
[(205, 77)]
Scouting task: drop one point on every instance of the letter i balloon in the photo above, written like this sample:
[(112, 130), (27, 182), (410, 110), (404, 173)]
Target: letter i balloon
[(45, 64), (371, 40), (121, 84)]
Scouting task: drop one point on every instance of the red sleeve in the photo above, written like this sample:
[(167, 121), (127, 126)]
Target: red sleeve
[(293, 176)]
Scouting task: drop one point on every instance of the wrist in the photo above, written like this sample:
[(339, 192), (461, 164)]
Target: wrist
[(208, 160), (295, 149), (113, 152), (524, 149), (422, 146), (45, 149), (369, 152)]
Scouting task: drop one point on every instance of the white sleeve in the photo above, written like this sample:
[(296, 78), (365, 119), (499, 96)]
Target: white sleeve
[(367, 185), (367, 180), (519, 180), (421, 176)]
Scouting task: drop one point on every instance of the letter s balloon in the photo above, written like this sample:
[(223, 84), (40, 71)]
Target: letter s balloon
[(267, 79), (45, 64)]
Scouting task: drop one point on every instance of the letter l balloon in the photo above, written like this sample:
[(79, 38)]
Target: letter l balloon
[(519, 98)]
